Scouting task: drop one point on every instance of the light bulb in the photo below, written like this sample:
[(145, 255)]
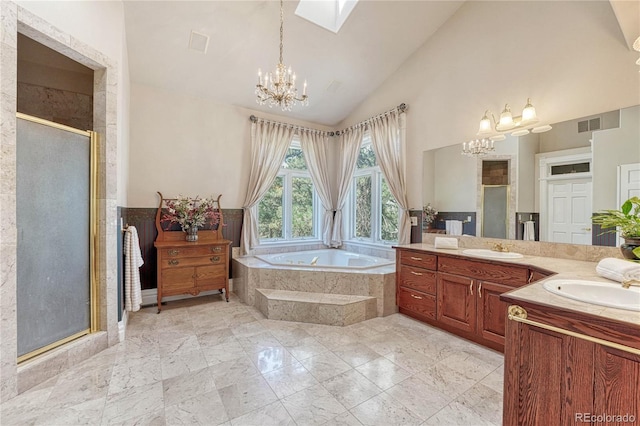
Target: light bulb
[(529, 113), (485, 124)]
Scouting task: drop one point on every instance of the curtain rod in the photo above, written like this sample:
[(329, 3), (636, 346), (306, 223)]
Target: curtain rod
[(401, 108), (255, 119)]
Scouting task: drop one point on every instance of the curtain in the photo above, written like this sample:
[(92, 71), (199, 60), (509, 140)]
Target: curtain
[(269, 145), (315, 150), (349, 147), (388, 140)]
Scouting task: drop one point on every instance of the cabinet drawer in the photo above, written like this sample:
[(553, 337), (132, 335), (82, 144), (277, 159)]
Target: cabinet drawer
[(204, 273), (177, 278), (418, 302), (193, 251), (418, 259), (180, 262), (418, 279), (514, 276)]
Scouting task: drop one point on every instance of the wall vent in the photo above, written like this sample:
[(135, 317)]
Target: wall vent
[(589, 125), (198, 42)]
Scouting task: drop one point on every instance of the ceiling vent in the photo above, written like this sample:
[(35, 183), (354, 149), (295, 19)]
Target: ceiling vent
[(198, 42), (589, 125)]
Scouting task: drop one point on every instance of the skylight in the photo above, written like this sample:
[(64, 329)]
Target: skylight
[(329, 14)]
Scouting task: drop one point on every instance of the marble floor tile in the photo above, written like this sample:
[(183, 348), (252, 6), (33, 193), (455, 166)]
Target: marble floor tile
[(382, 410), (246, 395), (351, 388), (325, 365), (383, 372), (273, 414), (312, 406), (207, 362)]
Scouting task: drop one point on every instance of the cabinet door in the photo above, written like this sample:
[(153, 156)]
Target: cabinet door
[(492, 312), (212, 277), (457, 301), (617, 378), (177, 281)]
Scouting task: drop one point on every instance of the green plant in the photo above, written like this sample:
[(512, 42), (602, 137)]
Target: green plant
[(626, 221)]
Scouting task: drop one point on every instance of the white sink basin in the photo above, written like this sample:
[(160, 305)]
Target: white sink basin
[(490, 254), (599, 293)]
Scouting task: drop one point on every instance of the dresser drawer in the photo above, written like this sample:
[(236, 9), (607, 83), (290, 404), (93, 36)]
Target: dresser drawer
[(514, 276), (418, 279), (418, 302), (192, 251), (180, 262), (418, 259)]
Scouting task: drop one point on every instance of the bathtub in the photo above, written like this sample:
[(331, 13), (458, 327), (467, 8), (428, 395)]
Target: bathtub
[(328, 258), (354, 274)]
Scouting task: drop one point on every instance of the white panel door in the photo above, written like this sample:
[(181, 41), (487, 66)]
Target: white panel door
[(628, 185), (570, 211)]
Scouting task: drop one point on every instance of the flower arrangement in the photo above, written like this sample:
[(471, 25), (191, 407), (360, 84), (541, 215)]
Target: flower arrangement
[(191, 212), (429, 213)]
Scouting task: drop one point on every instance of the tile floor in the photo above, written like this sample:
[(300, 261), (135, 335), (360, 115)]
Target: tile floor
[(206, 362)]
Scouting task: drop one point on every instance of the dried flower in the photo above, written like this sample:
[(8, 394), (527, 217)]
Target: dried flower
[(429, 213), (191, 212)]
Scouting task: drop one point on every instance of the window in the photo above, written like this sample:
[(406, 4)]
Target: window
[(374, 210), (288, 209)]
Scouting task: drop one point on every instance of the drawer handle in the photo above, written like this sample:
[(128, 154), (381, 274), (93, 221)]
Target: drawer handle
[(530, 280), (480, 290), (216, 249), (416, 297), (416, 273), (173, 252), (215, 259), (174, 262), (471, 287), (416, 258)]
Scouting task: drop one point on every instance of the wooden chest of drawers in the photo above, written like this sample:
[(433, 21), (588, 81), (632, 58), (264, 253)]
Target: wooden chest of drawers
[(192, 267)]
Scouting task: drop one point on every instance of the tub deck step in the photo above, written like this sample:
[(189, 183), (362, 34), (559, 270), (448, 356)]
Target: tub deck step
[(316, 308)]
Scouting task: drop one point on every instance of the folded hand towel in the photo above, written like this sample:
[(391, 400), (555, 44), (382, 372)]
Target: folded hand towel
[(617, 269), (446, 243), (529, 231), (453, 227)]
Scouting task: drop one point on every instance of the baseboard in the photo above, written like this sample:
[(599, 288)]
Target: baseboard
[(150, 296), (122, 325)]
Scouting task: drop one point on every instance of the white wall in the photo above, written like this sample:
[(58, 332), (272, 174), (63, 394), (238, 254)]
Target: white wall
[(612, 148), (189, 146), (528, 146), (455, 178), (99, 24), (570, 58)]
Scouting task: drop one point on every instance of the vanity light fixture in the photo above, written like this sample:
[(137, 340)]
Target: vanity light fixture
[(636, 47), (521, 124)]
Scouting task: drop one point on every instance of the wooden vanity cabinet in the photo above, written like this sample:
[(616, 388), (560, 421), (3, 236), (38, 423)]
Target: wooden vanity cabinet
[(561, 375), (416, 284)]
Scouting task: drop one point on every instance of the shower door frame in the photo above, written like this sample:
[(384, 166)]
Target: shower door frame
[(94, 321)]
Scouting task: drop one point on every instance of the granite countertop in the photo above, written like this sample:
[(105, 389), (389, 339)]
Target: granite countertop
[(535, 293)]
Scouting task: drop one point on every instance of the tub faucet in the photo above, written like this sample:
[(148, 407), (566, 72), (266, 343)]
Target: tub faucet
[(500, 247), (630, 282), (314, 261)]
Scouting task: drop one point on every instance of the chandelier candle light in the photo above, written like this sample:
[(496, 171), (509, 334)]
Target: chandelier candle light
[(477, 147), (280, 89)]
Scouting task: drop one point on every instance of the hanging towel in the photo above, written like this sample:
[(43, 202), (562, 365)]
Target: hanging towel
[(454, 227), (132, 262), (617, 269), (529, 231)]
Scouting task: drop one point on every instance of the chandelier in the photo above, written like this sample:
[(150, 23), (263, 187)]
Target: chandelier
[(519, 125), (477, 147), (280, 89)]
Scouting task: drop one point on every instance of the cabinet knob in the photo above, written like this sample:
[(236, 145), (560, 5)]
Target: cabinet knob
[(416, 258), (173, 252), (216, 249), (416, 273), (416, 297), (174, 262), (215, 259)]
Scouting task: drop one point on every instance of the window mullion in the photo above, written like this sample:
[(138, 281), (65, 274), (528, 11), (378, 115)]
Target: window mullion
[(287, 212)]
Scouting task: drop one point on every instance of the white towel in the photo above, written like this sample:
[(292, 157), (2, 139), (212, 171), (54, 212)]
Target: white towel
[(454, 227), (617, 269), (529, 231), (446, 243), (132, 262)]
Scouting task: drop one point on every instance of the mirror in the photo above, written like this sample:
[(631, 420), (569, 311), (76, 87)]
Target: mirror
[(551, 184)]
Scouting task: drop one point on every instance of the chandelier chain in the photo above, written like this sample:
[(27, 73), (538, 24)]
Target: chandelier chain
[(281, 29)]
